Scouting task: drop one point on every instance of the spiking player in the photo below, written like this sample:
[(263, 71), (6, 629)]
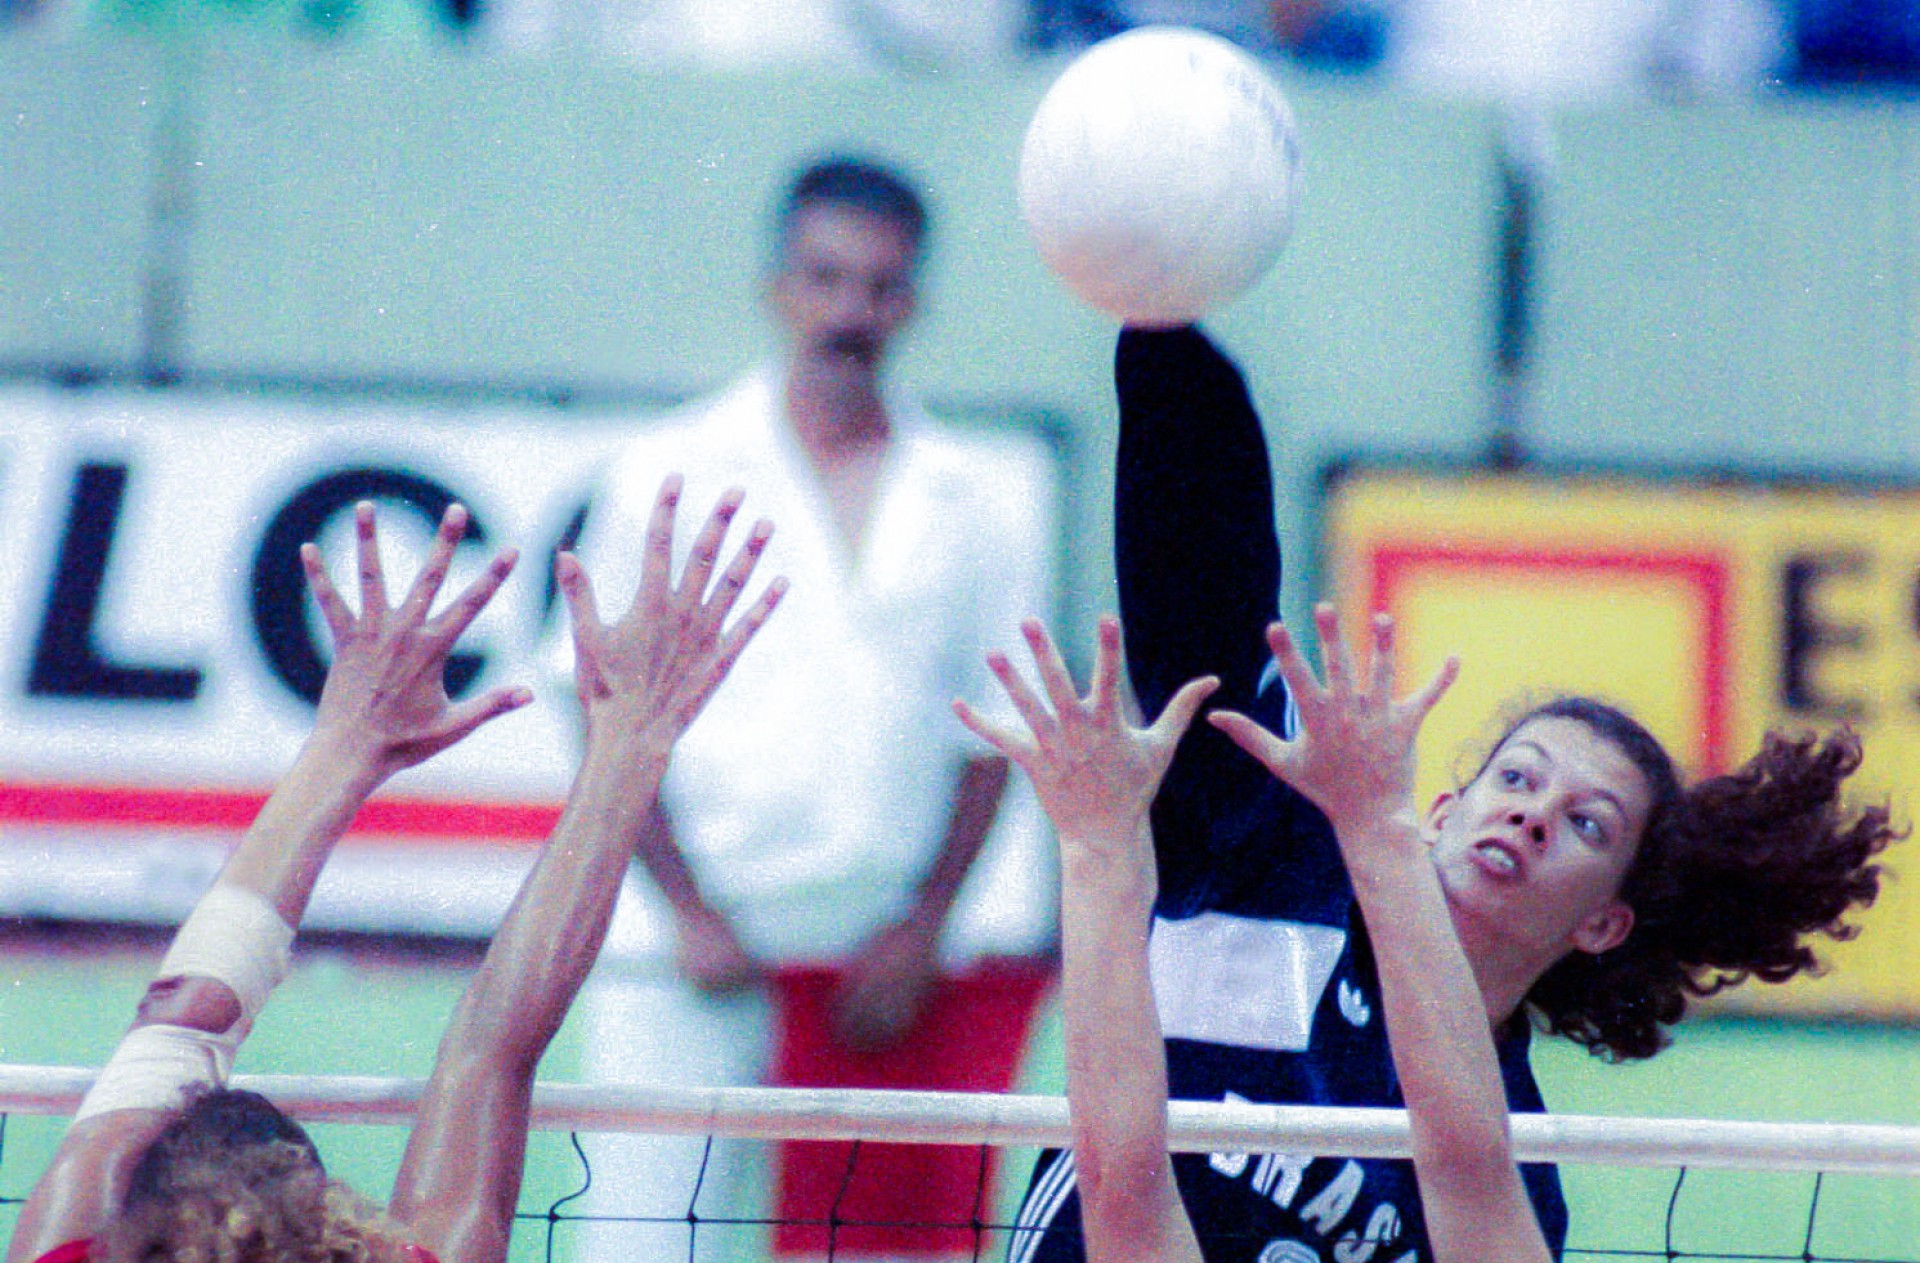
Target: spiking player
[(1304, 910)]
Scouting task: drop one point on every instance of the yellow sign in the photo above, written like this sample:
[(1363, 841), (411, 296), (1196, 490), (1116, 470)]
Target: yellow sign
[(1712, 612)]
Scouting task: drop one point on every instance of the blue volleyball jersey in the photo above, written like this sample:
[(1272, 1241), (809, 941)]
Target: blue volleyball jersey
[(1261, 967)]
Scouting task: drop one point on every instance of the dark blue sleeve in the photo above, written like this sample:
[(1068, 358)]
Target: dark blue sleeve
[(1198, 564)]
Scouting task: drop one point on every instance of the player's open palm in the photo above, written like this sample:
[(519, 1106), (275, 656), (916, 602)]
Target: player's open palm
[(386, 686), (1354, 756), (650, 672), (1094, 772)]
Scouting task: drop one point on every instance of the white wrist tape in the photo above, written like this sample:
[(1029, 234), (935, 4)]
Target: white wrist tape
[(236, 937), (153, 1065)]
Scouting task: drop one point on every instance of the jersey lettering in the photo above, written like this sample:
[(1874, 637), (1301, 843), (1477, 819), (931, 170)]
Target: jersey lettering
[(1278, 1176), (1332, 1203), (1383, 1226), (1283, 1251), (1231, 1165)]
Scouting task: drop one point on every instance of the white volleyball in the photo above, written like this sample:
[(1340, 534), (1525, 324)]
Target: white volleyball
[(1158, 174)]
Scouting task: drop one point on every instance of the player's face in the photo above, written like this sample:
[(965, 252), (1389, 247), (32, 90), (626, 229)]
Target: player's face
[(1534, 850), (845, 287)]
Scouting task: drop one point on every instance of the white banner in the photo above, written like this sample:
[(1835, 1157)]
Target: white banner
[(159, 642), (161, 653)]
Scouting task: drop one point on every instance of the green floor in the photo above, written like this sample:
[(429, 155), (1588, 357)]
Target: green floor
[(335, 1016)]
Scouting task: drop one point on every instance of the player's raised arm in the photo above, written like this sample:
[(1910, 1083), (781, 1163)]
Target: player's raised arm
[(1195, 551), (1354, 758), (641, 680), (384, 708), (1096, 774), (1197, 560)]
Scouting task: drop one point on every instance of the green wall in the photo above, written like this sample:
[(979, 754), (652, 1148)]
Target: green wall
[(1719, 285), (388, 211)]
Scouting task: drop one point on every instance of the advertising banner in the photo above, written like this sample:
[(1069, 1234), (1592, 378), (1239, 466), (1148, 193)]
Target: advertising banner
[(162, 655)]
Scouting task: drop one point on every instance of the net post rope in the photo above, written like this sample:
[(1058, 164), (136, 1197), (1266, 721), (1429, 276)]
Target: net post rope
[(968, 1118)]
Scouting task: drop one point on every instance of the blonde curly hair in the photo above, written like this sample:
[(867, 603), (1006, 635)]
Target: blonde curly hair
[(235, 1181)]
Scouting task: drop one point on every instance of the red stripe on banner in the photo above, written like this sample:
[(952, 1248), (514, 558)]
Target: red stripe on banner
[(147, 807), (1705, 573)]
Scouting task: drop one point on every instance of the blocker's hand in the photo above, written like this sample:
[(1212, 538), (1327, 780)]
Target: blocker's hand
[(1354, 757), (386, 688), (1094, 773), (650, 673)]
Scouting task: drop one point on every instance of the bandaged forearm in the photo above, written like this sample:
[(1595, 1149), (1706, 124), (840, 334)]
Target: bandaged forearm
[(153, 1067), (236, 937)]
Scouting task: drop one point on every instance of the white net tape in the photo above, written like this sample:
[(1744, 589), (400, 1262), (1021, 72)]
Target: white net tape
[(986, 1119)]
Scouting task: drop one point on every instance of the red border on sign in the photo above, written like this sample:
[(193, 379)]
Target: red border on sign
[(1705, 573), (230, 811)]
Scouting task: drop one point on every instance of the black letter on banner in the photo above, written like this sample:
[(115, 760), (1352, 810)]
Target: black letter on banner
[(66, 661), (280, 585), (1806, 635), (568, 540)]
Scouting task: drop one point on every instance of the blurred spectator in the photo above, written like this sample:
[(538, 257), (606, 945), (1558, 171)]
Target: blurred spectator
[(1537, 51), (1327, 36), (1544, 52), (40, 17), (1333, 35), (1838, 42), (755, 34), (1070, 24), (799, 918)]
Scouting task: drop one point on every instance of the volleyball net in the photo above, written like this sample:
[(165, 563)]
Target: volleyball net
[(1638, 1188)]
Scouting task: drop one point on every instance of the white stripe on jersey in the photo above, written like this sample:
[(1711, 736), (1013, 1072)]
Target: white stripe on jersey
[(1289, 718), (1223, 979), (1044, 1200)]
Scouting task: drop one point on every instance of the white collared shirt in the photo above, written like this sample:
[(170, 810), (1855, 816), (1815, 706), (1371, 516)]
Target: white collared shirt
[(815, 789)]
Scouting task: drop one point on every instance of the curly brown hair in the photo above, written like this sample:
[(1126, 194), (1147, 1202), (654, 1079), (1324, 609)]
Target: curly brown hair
[(233, 1180), (1731, 878)]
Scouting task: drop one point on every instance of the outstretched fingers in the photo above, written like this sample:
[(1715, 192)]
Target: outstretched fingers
[(1178, 714), (1001, 737), (656, 557), (1421, 703), (705, 557), (418, 601), (332, 607), (1336, 658), (1039, 720), (1274, 754), (373, 582), (1417, 705), (739, 571), (451, 623), (1383, 666), (1297, 674), (1105, 689), (463, 717), (1052, 669), (734, 641), (583, 615)]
